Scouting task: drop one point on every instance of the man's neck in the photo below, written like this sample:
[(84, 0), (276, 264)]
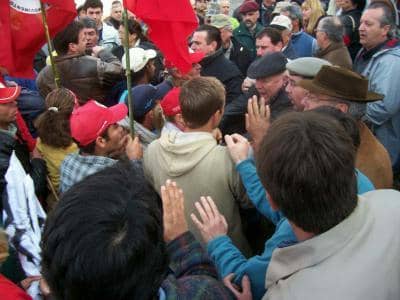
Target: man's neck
[(206, 128), (368, 48), (227, 44), (4, 126), (300, 234)]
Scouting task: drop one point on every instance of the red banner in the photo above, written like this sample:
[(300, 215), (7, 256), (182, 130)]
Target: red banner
[(170, 23)]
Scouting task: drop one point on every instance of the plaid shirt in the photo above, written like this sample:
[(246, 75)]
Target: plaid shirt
[(192, 274), (76, 167)]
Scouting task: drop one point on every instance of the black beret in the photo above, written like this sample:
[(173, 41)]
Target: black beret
[(267, 65)]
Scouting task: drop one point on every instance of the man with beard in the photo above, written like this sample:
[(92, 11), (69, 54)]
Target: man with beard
[(249, 27)]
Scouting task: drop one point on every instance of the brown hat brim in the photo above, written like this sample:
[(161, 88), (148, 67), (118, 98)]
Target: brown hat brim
[(309, 85)]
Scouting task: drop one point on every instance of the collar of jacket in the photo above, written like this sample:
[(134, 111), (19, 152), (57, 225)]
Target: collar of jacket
[(331, 47), (68, 56), (210, 58), (311, 252), (388, 44)]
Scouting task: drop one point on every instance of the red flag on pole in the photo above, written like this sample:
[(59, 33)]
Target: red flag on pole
[(170, 25), (22, 31)]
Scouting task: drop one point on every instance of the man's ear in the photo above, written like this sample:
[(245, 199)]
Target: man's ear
[(273, 205), (101, 142), (213, 44), (72, 47)]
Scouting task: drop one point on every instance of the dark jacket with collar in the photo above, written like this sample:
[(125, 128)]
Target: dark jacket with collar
[(36, 167), (240, 55), (217, 65), (233, 120), (289, 51), (246, 38), (351, 21), (87, 76)]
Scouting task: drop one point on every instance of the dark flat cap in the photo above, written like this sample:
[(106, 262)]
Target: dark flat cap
[(249, 6), (267, 65)]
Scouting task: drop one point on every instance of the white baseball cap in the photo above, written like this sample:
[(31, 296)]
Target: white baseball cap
[(282, 21), (138, 58)]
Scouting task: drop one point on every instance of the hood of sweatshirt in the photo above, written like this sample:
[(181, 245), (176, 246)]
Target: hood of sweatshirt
[(181, 152)]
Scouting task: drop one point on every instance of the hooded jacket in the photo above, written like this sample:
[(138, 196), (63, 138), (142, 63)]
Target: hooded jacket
[(200, 167)]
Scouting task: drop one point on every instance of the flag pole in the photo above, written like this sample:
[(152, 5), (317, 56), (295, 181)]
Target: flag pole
[(50, 46), (128, 72)]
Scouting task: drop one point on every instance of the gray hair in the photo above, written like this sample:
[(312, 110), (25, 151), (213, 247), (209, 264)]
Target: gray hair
[(333, 28), (356, 109), (294, 12), (388, 17), (89, 23)]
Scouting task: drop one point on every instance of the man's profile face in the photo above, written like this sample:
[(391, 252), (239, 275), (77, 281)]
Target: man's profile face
[(226, 34), (80, 47), (250, 18), (312, 101), (264, 46), (371, 31), (268, 87), (95, 13), (91, 37), (199, 43), (8, 114), (113, 144), (116, 12), (295, 92)]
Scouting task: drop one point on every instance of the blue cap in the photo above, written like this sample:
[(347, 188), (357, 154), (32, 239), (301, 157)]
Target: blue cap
[(144, 99)]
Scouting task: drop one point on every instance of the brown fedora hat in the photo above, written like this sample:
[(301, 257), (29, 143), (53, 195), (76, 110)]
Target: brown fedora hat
[(341, 83)]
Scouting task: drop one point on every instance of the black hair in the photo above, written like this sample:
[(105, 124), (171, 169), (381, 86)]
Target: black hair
[(213, 34), (104, 239), (69, 35), (273, 34), (93, 4), (89, 23)]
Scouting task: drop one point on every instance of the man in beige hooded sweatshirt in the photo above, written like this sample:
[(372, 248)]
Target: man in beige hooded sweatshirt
[(195, 161)]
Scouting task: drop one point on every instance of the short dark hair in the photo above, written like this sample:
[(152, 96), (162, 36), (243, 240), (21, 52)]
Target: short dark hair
[(273, 34), (103, 242), (69, 35), (93, 4), (388, 17), (91, 147), (213, 34), (89, 23), (306, 164), (200, 98), (135, 27)]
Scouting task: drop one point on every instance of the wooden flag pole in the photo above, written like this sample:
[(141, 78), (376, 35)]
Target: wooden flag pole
[(50, 46), (128, 73)]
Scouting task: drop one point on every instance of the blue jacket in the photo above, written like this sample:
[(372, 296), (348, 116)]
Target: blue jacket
[(304, 44), (228, 258), (382, 71)]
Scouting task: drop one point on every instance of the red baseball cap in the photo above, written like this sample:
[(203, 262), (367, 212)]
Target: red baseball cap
[(194, 57), (9, 94), (170, 103), (91, 119)]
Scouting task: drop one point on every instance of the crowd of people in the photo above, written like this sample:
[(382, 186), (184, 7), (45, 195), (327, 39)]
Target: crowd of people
[(269, 170)]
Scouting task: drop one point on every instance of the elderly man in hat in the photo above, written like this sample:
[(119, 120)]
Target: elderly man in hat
[(11, 139), (348, 91), (301, 68), (233, 49), (269, 71), (249, 27)]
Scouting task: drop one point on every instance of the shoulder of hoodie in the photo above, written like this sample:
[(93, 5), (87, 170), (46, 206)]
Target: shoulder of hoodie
[(388, 54)]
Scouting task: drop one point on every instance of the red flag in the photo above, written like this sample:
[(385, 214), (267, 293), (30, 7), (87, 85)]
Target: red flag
[(22, 31), (170, 24)]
